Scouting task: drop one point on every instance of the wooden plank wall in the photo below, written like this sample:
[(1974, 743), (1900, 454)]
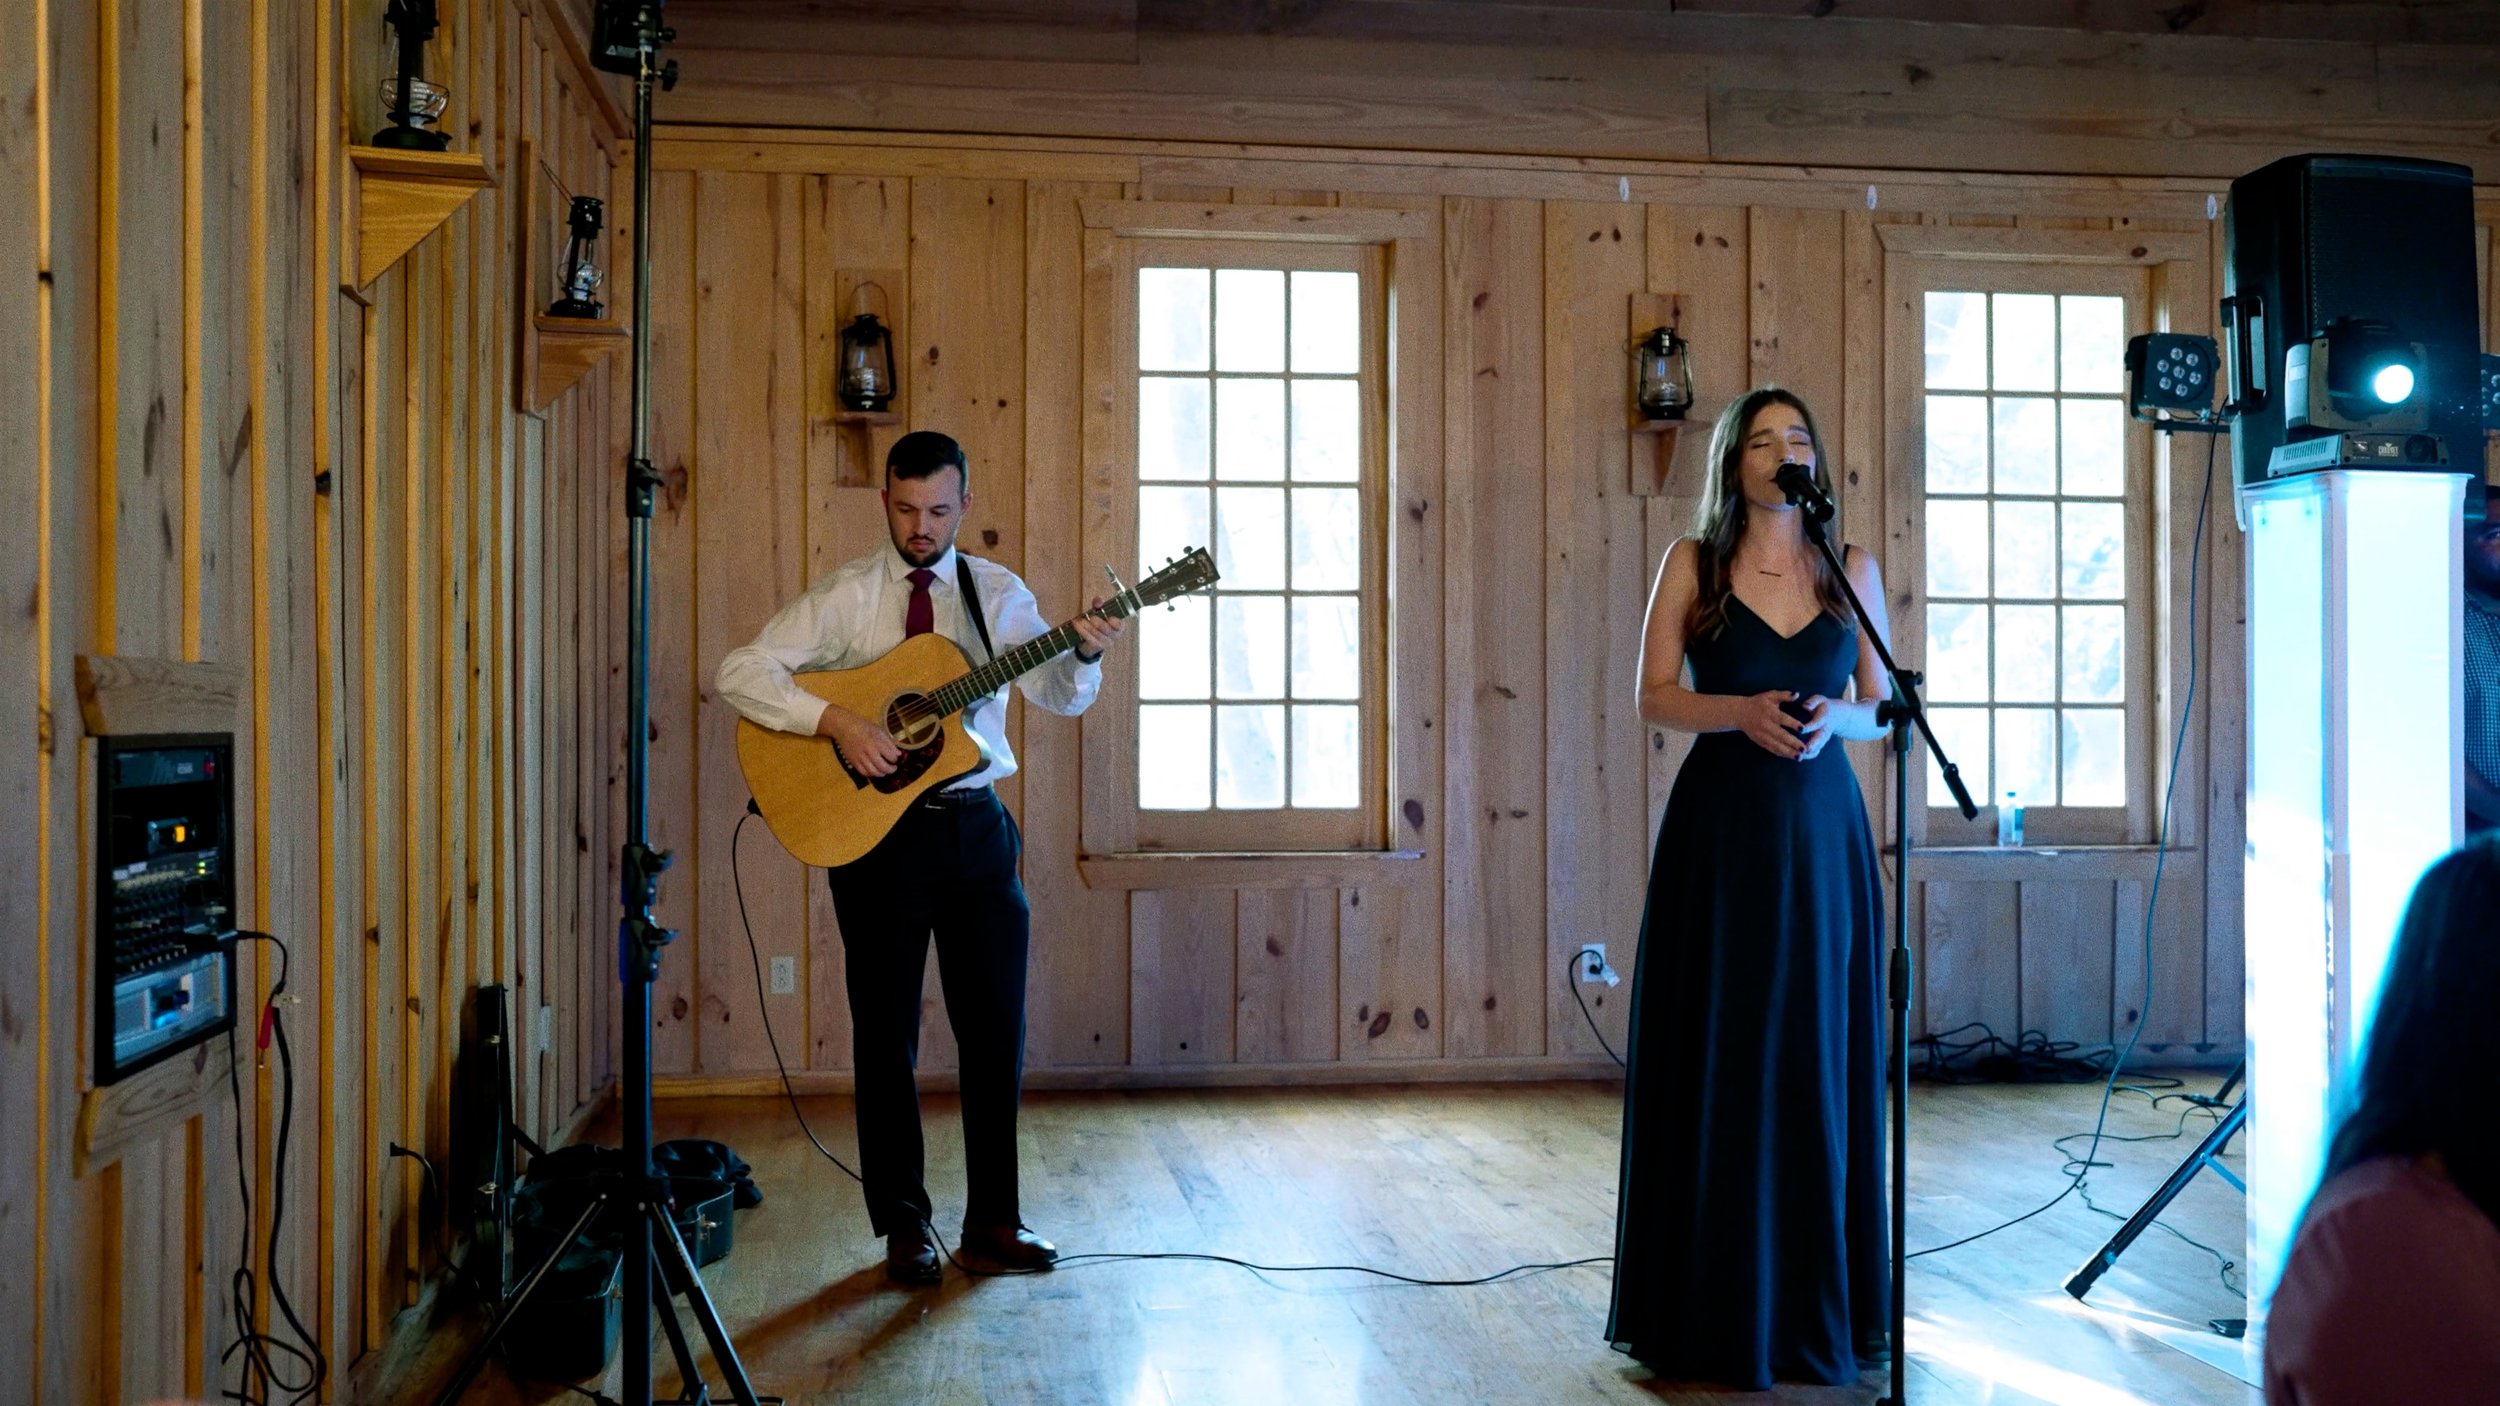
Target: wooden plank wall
[(1523, 565), (220, 451)]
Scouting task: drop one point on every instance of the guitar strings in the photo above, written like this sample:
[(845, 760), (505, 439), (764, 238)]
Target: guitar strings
[(944, 701)]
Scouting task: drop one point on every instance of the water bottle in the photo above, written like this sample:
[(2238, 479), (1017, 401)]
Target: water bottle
[(2009, 819)]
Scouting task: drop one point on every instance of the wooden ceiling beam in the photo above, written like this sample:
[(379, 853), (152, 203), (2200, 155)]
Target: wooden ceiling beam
[(1725, 80)]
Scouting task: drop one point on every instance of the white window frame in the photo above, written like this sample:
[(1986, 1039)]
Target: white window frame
[(1121, 237), (1997, 261)]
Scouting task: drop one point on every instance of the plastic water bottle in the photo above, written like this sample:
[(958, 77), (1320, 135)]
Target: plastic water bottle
[(2009, 819)]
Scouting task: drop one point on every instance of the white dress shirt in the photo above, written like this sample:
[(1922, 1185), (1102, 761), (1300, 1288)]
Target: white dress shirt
[(854, 616)]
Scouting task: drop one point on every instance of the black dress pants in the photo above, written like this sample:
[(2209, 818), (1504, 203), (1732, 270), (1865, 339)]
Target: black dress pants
[(947, 871)]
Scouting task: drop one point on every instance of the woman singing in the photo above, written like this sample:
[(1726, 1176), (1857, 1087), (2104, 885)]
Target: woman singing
[(1750, 1234)]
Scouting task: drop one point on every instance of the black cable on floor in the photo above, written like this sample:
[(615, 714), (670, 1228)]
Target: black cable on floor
[(754, 954), (2197, 1103)]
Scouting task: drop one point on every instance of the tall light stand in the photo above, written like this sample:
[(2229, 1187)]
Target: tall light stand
[(627, 38), (1900, 713)]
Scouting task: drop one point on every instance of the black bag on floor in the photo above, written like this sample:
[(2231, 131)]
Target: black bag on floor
[(569, 1328), (702, 1157)]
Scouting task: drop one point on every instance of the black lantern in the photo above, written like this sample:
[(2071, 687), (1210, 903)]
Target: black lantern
[(414, 105), (1662, 376), (577, 278), (867, 376)]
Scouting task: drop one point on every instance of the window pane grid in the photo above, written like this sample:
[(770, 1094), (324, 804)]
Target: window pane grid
[(2025, 538), (1257, 449)]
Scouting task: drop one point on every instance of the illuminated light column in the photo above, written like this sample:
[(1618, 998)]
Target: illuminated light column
[(2355, 700)]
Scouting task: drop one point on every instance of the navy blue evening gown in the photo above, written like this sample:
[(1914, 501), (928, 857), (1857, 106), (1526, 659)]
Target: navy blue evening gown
[(1750, 1224)]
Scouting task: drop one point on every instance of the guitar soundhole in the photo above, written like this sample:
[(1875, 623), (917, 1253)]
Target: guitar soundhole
[(921, 742)]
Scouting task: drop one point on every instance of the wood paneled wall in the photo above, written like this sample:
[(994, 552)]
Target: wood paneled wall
[(214, 447), (1516, 537)]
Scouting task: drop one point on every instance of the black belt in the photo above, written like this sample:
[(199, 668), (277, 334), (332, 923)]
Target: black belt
[(969, 796)]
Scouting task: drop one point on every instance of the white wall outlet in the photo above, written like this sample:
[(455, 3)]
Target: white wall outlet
[(546, 1029), (785, 976), (1591, 965)]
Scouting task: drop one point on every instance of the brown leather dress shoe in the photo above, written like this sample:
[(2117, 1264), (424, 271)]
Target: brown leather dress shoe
[(910, 1258), (1006, 1249)]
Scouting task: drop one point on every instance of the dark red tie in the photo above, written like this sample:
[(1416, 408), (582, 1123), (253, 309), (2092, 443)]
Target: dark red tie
[(919, 617)]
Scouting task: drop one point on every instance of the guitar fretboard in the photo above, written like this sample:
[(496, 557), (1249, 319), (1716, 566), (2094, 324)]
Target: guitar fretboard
[(1006, 669)]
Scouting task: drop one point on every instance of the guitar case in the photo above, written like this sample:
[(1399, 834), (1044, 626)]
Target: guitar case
[(479, 1173), (570, 1327)]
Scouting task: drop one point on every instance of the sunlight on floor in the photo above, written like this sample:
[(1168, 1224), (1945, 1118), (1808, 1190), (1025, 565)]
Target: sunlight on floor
[(1967, 1352), (2242, 1357)]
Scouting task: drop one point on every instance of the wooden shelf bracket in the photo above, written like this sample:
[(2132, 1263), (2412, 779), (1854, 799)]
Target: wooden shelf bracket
[(558, 351), (403, 196)]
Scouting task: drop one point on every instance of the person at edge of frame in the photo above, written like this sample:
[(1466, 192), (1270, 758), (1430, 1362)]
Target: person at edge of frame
[(2391, 1293)]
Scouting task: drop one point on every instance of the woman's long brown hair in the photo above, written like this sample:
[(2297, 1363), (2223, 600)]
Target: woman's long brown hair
[(1719, 524)]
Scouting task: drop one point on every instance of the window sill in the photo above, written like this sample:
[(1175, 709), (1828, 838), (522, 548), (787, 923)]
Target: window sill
[(2043, 861), (1307, 869)]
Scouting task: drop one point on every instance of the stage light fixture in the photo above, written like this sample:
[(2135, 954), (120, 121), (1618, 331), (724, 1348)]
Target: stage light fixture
[(2359, 374), (2491, 392), (617, 30), (2171, 375)]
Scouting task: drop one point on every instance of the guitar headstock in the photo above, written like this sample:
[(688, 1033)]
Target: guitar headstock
[(1193, 570)]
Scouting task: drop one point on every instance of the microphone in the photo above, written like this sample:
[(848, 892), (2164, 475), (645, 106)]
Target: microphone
[(1797, 482)]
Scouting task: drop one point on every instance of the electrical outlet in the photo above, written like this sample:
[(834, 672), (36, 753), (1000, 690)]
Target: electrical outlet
[(546, 1028), (1591, 964), (785, 976)]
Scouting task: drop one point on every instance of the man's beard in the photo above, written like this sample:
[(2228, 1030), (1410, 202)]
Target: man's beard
[(929, 557)]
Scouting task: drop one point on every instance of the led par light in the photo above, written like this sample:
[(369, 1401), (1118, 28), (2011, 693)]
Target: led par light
[(2171, 372)]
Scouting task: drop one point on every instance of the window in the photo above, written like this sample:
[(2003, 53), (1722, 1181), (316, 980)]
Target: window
[(2036, 567), (1255, 395)]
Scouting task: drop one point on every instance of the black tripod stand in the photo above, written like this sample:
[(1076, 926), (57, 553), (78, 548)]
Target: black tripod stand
[(626, 37), (2203, 1157), (1900, 712)]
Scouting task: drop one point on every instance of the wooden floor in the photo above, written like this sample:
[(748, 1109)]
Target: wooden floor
[(1444, 1182)]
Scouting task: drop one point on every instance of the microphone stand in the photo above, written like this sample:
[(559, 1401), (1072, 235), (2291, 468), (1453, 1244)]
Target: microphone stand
[(1900, 713)]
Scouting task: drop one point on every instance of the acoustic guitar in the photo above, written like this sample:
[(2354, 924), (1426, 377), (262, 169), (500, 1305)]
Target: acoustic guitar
[(827, 813)]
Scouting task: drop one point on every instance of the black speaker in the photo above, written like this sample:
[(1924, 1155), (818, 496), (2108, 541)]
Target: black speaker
[(2350, 293)]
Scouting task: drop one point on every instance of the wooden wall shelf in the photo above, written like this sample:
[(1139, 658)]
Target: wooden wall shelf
[(864, 436), (403, 196), (559, 351), (1653, 454)]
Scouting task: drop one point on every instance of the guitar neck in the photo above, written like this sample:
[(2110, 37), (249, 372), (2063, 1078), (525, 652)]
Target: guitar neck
[(1005, 669)]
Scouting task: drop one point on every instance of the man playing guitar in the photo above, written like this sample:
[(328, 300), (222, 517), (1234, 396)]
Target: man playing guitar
[(947, 870)]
